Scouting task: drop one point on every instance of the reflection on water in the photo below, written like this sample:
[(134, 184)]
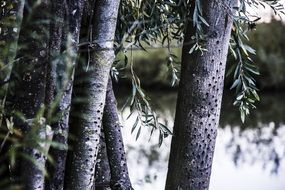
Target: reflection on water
[(248, 157)]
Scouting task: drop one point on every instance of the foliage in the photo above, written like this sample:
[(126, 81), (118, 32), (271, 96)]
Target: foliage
[(245, 70)]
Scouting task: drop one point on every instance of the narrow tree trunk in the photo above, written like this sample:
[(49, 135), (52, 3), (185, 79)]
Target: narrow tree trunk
[(65, 75), (102, 170), (55, 170), (88, 128), (199, 102), (56, 34), (115, 147), (28, 96)]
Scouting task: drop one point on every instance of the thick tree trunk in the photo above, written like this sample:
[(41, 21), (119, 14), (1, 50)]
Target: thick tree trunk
[(114, 141), (199, 102), (93, 89), (29, 74), (7, 56)]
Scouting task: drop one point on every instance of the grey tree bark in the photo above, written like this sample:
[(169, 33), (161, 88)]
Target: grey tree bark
[(9, 34), (65, 76), (114, 142), (199, 101), (102, 170), (28, 92), (93, 88), (55, 170)]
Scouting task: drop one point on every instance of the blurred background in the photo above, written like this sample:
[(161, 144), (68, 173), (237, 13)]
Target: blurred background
[(248, 156)]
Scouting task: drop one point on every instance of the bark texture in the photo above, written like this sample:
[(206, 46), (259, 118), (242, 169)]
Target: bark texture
[(9, 35), (28, 92), (9, 40), (115, 147), (56, 169), (65, 72), (93, 89), (199, 102), (102, 170)]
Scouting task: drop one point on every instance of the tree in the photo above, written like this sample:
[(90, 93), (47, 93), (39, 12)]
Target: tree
[(28, 93), (93, 87), (65, 33), (202, 81), (72, 44), (199, 100), (114, 143)]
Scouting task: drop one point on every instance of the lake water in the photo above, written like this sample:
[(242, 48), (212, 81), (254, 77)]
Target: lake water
[(247, 157)]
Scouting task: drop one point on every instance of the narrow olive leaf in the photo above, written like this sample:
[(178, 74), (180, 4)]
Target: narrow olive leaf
[(138, 133), (135, 124), (236, 82), (242, 116)]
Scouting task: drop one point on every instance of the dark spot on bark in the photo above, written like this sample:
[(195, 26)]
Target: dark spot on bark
[(213, 34)]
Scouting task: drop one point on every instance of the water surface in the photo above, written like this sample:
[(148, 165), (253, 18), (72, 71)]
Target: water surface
[(247, 157)]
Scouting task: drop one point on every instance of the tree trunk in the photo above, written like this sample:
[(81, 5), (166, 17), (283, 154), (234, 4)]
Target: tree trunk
[(56, 169), (199, 101), (7, 56), (102, 170), (65, 75), (93, 88), (114, 141), (9, 40), (28, 96)]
